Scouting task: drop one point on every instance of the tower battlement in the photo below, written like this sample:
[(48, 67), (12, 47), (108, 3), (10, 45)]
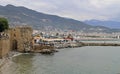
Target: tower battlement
[(4, 35)]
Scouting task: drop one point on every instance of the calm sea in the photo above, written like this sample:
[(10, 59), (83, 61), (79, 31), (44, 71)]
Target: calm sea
[(83, 60)]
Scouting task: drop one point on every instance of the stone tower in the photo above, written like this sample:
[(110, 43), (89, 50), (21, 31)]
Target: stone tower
[(20, 38)]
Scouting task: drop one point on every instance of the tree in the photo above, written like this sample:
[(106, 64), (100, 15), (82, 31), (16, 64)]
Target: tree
[(3, 24)]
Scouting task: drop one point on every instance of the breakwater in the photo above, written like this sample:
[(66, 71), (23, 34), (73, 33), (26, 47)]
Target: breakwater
[(100, 44), (48, 49), (80, 44)]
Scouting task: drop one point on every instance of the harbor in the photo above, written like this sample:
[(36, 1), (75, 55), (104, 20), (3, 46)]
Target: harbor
[(59, 37)]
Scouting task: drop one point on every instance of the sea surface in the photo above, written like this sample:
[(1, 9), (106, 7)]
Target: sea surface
[(83, 60)]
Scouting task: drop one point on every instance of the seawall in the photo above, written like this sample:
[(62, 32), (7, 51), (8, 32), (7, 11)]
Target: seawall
[(100, 44)]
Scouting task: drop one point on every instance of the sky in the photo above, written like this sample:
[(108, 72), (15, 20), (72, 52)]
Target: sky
[(76, 9)]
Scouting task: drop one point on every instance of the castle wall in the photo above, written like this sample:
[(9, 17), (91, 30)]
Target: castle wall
[(4, 46)]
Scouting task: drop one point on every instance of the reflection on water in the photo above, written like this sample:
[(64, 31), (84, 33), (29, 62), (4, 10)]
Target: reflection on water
[(84, 60)]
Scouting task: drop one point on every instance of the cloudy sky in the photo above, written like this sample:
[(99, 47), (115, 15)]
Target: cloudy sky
[(77, 9)]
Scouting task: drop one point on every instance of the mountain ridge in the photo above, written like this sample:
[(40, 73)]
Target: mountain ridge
[(22, 15), (108, 23)]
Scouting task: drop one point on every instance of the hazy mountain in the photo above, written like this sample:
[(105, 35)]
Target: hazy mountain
[(109, 24), (22, 15)]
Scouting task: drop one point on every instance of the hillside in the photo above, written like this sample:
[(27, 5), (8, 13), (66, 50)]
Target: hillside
[(21, 15)]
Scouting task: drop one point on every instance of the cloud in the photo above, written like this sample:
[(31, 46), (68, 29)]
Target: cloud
[(77, 9)]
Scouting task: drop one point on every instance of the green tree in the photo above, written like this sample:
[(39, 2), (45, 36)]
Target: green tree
[(3, 24)]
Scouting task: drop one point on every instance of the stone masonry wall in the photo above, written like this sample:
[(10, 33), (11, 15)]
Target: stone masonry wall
[(17, 39), (23, 37), (4, 46)]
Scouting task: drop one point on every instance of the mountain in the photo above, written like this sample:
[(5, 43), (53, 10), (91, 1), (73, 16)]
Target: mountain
[(20, 16), (109, 24)]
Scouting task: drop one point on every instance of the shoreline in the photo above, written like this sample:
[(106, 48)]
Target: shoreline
[(8, 57)]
